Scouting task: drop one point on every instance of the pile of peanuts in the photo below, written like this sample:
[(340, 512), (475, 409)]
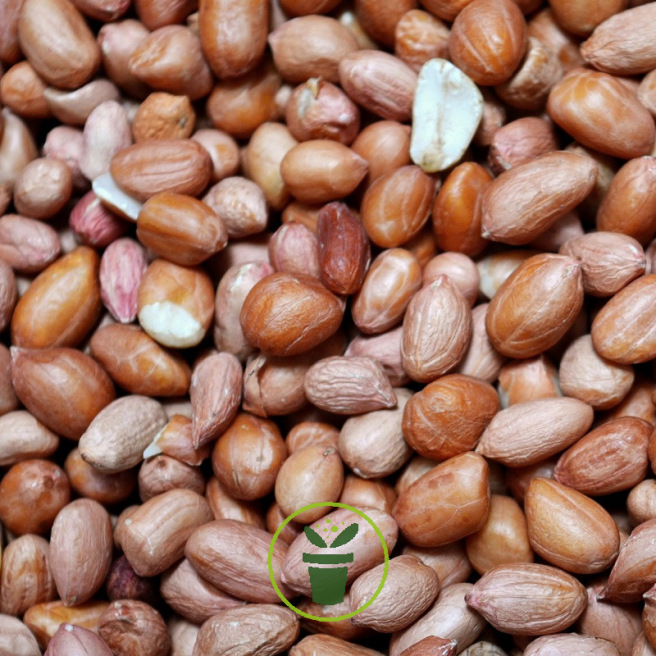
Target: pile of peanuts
[(390, 255)]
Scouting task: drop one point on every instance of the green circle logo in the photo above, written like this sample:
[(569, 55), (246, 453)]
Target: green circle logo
[(310, 558)]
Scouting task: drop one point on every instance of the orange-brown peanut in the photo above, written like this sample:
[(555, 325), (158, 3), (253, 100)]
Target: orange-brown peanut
[(447, 503), (443, 420)]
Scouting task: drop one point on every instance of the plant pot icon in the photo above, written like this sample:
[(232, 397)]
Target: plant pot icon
[(328, 584)]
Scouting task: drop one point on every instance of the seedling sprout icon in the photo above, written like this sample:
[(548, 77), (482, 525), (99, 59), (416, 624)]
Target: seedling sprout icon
[(329, 583)]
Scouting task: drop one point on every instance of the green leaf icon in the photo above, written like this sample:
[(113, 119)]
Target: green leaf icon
[(314, 537), (345, 536)]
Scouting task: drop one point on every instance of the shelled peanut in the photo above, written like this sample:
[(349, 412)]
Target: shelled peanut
[(262, 254)]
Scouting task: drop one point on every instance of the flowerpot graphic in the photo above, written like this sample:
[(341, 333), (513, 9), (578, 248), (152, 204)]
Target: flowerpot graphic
[(328, 583)]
